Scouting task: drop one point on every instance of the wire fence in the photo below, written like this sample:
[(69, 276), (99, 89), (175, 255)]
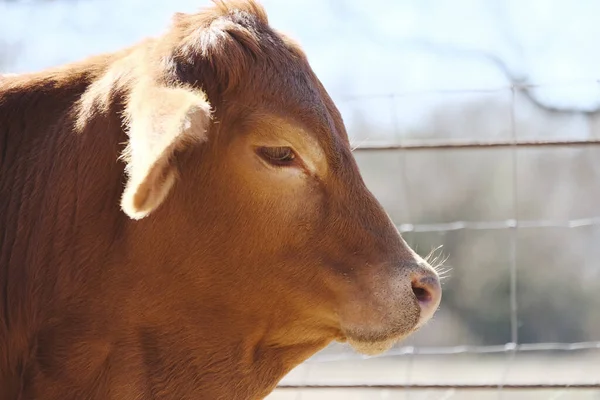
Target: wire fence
[(561, 388)]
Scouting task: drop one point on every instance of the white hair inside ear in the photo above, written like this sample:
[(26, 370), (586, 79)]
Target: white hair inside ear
[(161, 121)]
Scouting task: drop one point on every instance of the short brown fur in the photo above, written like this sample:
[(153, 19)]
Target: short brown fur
[(148, 251)]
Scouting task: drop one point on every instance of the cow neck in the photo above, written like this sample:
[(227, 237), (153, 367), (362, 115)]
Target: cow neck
[(225, 349), (245, 368)]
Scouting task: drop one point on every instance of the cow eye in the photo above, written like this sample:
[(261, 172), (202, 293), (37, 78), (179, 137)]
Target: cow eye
[(280, 156)]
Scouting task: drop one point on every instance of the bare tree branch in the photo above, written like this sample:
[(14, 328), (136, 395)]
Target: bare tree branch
[(519, 81)]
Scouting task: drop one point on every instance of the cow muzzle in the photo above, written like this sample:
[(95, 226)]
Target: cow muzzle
[(388, 305)]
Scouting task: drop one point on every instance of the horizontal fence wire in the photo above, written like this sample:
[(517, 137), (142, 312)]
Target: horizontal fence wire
[(463, 349), (432, 144), (495, 225), (445, 386)]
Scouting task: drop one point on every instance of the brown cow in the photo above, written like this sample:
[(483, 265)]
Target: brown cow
[(184, 219)]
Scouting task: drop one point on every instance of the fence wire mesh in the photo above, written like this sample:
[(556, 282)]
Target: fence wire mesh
[(403, 358)]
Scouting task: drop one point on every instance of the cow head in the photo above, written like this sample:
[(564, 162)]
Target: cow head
[(242, 180)]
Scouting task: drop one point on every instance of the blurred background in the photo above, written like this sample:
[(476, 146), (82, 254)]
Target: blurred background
[(520, 225)]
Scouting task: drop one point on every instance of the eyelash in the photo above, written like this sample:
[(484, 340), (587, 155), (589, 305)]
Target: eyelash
[(278, 156)]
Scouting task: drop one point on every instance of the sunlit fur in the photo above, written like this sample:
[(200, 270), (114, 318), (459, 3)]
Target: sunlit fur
[(147, 250)]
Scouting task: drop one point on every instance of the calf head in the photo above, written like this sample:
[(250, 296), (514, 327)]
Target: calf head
[(243, 185)]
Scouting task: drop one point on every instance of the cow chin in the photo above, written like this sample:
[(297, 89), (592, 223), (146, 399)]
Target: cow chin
[(372, 348), (375, 345), (376, 332)]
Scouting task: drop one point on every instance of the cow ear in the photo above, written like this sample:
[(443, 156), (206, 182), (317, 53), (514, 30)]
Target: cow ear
[(162, 122)]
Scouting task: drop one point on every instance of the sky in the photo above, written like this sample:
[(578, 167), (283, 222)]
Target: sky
[(363, 51)]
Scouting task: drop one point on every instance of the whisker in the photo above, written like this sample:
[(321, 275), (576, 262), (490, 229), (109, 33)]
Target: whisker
[(437, 259), (433, 254), (354, 147)]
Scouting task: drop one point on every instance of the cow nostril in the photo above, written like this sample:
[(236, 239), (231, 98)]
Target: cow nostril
[(428, 293), (422, 294), (426, 290)]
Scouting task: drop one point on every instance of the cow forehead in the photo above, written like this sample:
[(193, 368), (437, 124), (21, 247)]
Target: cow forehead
[(303, 113), (305, 105), (292, 105)]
